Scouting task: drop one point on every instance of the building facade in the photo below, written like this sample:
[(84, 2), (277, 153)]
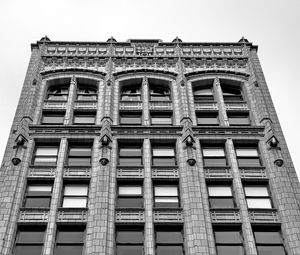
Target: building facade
[(147, 147)]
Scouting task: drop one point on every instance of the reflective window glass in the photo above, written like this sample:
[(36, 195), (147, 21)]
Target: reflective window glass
[(221, 191)]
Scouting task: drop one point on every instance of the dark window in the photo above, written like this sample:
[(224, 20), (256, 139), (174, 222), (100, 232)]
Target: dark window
[(220, 197), (214, 156), (203, 94), (231, 94), (129, 241), (29, 240), (79, 156), (169, 241), (166, 196), (161, 118), (159, 93), (247, 157), (84, 118), (58, 93), (130, 196), (131, 93), (163, 156), (69, 240), (134, 118), (207, 119), (258, 197), (75, 196), (229, 242), (86, 93), (130, 156), (238, 119), (53, 118), (38, 195), (269, 242), (45, 156)]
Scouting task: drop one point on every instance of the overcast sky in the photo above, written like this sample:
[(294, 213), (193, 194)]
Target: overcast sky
[(273, 25)]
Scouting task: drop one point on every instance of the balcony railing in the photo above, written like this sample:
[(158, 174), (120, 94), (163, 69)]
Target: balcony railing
[(206, 105), (77, 171), (217, 173), (236, 106), (131, 105), (33, 215), (161, 105), (165, 172), (168, 215), (130, 172), (42, 171), (253, 173), (129, 215), (72, 215), (264, 216), (225, 216), (54, 104), (87, 105)]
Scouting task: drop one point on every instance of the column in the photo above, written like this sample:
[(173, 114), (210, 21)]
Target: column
[(145, 99), (70, 102), (220, 101)]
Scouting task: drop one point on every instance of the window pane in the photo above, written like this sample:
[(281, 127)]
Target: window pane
[(169, 237), (28, 250), (239, 120), (130, 120), (130, 237), (256, 191), (53, 119), (164, 162), (130, 250), (220, 191), (228, 237), (215, 161), (166, 191), (246, 152), (130, 190), (80, 152), (70, 236), (130, 152), (164, 152), (213, 152), (134, 202), (30, 236), (33, 202), (273, 237), (249, 162), (68, 249), (170, 250), (79, 161), (230, 250), (261, 203), (45, 161), (75, 190), (130, 161), (46, 151), (84, 119), (200, 92), (208, 121), (166, 202), (270, 250), (39, 190), (216, 203), (74, 202), (161, 120)]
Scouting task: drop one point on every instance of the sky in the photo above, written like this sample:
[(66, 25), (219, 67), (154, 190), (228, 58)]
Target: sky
[(273, 25)]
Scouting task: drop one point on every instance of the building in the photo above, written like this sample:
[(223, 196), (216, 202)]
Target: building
[(147, 147)]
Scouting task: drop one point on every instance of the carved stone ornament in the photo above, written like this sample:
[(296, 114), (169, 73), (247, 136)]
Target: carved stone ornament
[(104, 161)]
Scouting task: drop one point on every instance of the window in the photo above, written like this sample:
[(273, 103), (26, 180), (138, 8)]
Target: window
[(258, 197), (134, 118), (207, 119), (203, 90), (79, 156), (84, 118), (38, 195), (269, 242), (130, 196), (53, 118), (247, 157), (58, 93), (69, 240), (231, 93), (163, 156), (75, 196), (129, 241), (220, 197), (45, 156), (214, 156), (161, 118), (130, 156), (159, 93), (166, 196), (169, 240), (132, 93), (238, 119), (86, 93), (229, 242), (29, 240)]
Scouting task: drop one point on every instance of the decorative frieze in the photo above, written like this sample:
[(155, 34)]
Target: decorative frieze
[(264, 216), (165, 173), (225, 216), (129, 216), (41, 172), (130, 172), (218, 173), (29, 215), (72, 215), (167, 215)]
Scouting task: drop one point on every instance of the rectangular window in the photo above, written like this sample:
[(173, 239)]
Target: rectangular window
[(161, 118), (163, 156), (45, 155), (30, 240), (84, 118), (214, 156), (238, 119), (79, 156), (130, 156), (208, 119), (269, 242), (69, 240), (229, 242), (53, 118), (130, 241), (220, 197), (247, 157), (130, 118), (75, 196), (258, 197), (130, 196), (38, 195), (169, 241), (166, 196)]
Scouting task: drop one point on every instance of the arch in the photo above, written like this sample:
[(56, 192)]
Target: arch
[(217, 72), (145, 71), (72, 70)]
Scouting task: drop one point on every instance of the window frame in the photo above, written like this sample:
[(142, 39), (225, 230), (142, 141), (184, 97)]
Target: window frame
[(137, 116), (59, 115), (134, 242), (129, 146), (239, 116), (138, 197), (83, 94), (204, 97), (177, 204), (75, 146), (76, 196), (232, 97), (213, 115), (162, 157), (159, 97), (78, 115), (58, 87), (131, 96), (258, 197), (161, 115), (216, 157), (212, 197), (250, 157), (45, 156), (38, 196)]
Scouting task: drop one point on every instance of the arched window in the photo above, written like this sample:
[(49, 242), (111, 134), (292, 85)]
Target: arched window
[(203, 90), (131, 93), (231, 94), (86, 93), (159, 90), (58, 93)]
